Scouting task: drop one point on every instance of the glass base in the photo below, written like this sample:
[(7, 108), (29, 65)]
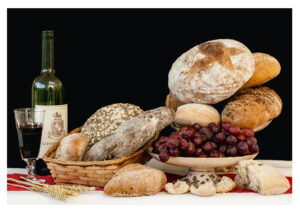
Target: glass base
[(30, 168)]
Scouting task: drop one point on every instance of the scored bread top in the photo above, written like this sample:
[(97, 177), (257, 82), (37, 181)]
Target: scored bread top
[(107, 119), (252, 107), (211, 72)]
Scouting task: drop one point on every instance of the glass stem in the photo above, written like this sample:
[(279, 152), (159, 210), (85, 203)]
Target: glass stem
[(30, 168)]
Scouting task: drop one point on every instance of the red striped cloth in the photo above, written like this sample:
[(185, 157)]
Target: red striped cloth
[(171, 177)]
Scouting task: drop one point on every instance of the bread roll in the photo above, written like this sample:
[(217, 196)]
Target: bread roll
[(225, 185), (266, 68), (261, 178), (253, 108), (131, 135), (173, 102), (188, 114), (107, 119), (136, 180), (179, 187), (72, 147), (211, 72)]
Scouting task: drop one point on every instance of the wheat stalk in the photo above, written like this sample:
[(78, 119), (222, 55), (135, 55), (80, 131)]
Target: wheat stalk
[(54, 188), (52, 191), (60, 191), (54, 194), (73, 187), (79, 188)]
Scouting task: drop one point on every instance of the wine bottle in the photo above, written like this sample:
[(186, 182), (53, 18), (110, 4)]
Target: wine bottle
[(48, 94)]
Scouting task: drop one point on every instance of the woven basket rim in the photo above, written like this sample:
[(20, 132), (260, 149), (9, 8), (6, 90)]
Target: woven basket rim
[(118, 161)]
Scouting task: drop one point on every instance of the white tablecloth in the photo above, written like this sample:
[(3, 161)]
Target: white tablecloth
[(98, 197)]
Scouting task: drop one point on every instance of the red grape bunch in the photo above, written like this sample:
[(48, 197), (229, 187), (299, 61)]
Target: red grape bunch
[(212, 141)]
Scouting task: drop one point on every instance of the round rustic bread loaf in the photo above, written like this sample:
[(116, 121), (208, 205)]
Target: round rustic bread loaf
[(107, 119), (211, 72), (252, 108)]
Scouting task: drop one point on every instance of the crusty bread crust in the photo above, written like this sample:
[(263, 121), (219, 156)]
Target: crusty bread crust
[(252, 107), (211, 72), (136, 180), (266, 68), (188, 114), (173, 102), (261, 178), (72, 147), (262, 126)]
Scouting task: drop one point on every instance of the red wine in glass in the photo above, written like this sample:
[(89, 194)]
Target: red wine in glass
[(29, 141), (29, 124)]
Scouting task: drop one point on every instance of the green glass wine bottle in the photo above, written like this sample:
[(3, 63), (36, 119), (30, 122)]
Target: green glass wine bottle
[(48, 94)]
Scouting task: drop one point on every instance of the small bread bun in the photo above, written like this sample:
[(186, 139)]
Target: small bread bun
[(179, 187), (72, 147), (266, 68), (188, 114), (253, 108), (173, 102), (225, 185)]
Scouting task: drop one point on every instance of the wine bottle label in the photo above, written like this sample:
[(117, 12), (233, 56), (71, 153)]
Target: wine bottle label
[(55, 125)]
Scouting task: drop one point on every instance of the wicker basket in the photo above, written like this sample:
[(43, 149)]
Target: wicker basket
[(94, 173)]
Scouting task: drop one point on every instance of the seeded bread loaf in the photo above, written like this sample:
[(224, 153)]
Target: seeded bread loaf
[(136, 180), (107, 119), (252, 108), (131, 135), (211, 72)]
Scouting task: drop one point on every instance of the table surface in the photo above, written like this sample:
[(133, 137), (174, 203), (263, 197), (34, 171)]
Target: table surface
[(98, 197)]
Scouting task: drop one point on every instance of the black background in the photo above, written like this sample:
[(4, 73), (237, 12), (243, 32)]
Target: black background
[(106, 56)]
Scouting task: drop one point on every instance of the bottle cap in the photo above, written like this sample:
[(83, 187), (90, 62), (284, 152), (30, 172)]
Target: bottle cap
[(48, 34)]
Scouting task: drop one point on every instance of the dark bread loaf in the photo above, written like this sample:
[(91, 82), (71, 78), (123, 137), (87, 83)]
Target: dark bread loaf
[(253, 108), (131, 135), (107, 119)]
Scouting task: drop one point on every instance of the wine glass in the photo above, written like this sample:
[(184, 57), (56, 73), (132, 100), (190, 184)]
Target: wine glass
[(29, 124)]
